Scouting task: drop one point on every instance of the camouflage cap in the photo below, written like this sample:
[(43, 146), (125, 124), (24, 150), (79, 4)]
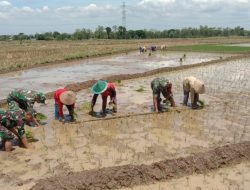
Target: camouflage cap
[(42, 97)]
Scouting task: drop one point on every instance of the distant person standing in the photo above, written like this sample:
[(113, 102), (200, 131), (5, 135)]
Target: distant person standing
[(161, 86), (195, 87), (67, 98), (106, 89)]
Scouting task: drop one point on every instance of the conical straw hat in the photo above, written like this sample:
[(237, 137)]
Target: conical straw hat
[(68, 97), (199, 86)]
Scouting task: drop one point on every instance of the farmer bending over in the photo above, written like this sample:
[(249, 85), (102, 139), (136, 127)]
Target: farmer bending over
[(64, 97), (13, 120), (26, 100), (161, 86), (195, 87), (105, 89)]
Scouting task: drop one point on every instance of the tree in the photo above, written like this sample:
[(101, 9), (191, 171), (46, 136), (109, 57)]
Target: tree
[(100, 32), (121, 34), (108, 30)]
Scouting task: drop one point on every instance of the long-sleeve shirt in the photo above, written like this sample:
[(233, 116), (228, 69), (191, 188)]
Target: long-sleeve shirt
[(58, 101), (110, 91), (25, 98), (188, 86)]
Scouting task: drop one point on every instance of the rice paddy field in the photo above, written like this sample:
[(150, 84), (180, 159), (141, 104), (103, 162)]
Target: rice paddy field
[(18, 56), (135, 148)]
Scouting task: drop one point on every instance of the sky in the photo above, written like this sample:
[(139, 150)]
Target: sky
[(38, 16)]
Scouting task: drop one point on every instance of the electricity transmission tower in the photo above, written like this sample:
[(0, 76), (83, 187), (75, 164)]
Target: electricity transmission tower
[(124, 15)]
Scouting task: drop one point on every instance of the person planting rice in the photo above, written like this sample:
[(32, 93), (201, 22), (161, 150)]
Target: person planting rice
[(161, 86), (195, 87), (13, 120), (105, 89), (26, 100), (64, 97), (5, 136)]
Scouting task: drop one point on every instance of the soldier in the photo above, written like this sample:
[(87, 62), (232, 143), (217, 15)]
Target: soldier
[(26, 100), (105, 89), (161, 86), (13, 120), (5, 135), (195, 87)]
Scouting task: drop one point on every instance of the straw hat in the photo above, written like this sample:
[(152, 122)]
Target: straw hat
[(68, 97), (99, 87), (199, 86)]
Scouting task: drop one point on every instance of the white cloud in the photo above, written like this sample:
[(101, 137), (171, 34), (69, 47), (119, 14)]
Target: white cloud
[(155, 3), (27, 9), (5, 3), (3, 16), (64, 9), (91, 9)]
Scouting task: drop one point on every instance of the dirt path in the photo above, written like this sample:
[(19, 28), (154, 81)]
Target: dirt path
[(131, 175)]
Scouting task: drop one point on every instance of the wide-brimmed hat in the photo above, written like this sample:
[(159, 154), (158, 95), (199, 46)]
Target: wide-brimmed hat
[(68, 98), (199, 86), (99, 87)]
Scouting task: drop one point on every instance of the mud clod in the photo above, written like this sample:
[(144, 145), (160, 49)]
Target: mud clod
[(132, 175)]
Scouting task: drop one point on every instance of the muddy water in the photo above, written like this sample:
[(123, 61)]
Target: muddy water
[(49, 78), (242, 45), (138, 139)]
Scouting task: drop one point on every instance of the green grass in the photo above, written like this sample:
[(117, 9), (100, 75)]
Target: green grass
[(141, 89), (211, 48), (41, 116)]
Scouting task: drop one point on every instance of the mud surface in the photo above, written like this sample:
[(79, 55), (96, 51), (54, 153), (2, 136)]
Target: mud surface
[(138, 139), (50, 78), (131, 175)]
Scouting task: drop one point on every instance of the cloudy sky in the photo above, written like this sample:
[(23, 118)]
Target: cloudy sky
[(31, 16)]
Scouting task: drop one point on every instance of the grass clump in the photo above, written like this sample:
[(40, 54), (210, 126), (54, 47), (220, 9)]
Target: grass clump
[(86, 106), (41, 116), (141, 89)]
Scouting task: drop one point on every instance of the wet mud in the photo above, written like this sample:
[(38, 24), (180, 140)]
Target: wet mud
[(134, 136), (76, 87), (132, 175), (50, 78)]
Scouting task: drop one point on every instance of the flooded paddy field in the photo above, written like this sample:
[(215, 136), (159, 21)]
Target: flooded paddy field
[(143, 139), (49, 78)]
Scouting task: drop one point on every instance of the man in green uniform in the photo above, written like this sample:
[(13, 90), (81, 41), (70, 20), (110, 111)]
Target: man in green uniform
[(161, 86), (26, 100), (13, 120), (5, 135)]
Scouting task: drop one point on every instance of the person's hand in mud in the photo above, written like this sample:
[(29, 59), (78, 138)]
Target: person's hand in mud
[(63, 121)]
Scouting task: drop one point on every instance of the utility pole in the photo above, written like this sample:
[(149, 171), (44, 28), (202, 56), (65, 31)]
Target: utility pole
[(124, 15)]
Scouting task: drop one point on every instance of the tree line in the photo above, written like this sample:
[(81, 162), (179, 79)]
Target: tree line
[(120, 32)]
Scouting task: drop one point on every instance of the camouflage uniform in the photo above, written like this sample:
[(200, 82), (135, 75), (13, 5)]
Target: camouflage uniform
[(158, 86), (13, 118), (25, 98), (5, 134)]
